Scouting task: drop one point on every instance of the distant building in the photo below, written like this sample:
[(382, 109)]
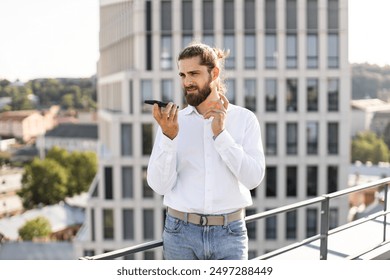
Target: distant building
[(10, 183), (369, 115), (71, 137), (26, 125)]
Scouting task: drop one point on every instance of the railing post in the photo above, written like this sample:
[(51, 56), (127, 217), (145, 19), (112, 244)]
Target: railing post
[(385, 201), (324, 228)]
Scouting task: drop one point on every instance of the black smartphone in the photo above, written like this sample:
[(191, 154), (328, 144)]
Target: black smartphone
[(159, 103)]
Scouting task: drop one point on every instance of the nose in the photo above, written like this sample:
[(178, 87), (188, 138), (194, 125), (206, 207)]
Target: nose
[(188, 82)]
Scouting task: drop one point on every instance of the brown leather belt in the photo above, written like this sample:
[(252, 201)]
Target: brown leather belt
[(207, 220)]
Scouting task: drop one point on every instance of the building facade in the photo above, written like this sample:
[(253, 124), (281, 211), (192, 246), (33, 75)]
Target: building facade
[(288, 63)]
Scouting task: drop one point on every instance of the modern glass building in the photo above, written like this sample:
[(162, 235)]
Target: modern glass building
[(288, 63)]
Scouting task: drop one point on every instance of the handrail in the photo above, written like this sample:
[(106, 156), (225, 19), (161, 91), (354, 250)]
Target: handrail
[(324, 219)]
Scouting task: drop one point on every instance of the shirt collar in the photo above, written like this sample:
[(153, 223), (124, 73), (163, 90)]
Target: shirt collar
[(191, 109)]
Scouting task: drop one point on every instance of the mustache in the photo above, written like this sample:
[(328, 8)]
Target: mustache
[(190, 87)]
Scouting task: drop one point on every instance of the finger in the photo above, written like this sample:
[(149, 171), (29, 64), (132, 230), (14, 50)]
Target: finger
[(225, 100), (156, 112)]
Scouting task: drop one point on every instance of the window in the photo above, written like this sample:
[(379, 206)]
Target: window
[(128, 224), (271, 52), (312, 51), (333, 14), (312, 34), (126, 139), (228, 26), (147, 138), (250, 51), (332, 178), (166, 90), (291, 51), (312, 95), (108, 224), (228, 15), (271, 227), (187, 22), (148, 224), (271, 181), (231, 90), (208, 22), (131, 101), (311, 222), (271, 138), (250, 94), (333, 50), (291, 181), (147, 191), (251, 227), (292, 138), (229, 44), (292, 95), (146, 93), (127, 182), (311, 181), (270, 15), (148, 24), (333, 218), (333, 94), (108, 183), (93, 224), (270, 95), (312, 138), (291, 225), (312, 15), (292, 38), (333, 138), (250, 37), (166, 52), (166, 58)]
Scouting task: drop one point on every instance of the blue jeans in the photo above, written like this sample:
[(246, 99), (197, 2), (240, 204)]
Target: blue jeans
[(186, 241)]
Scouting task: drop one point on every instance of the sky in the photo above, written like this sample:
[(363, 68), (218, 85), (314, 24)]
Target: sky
[(59, 38)]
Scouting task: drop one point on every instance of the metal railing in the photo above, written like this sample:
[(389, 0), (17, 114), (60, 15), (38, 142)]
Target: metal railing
[(324, 224)]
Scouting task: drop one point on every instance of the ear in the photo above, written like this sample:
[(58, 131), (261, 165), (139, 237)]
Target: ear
[(215, 73)]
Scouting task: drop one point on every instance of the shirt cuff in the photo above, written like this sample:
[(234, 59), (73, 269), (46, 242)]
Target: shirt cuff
[(167, 144)]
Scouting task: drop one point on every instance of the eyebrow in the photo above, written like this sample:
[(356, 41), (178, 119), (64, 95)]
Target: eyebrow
[(190, 72)]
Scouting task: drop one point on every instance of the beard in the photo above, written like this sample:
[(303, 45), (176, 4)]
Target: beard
[(195, 99)]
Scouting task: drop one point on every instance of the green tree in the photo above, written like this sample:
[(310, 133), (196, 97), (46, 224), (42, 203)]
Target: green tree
[(386, 135), (368, 147), (43, 182), (35, 228), (83, 168)]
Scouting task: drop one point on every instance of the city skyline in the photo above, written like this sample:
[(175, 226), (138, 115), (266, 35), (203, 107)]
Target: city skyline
[(40, 42)]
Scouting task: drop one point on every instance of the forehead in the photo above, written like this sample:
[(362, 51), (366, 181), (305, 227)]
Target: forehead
[(190, 64)]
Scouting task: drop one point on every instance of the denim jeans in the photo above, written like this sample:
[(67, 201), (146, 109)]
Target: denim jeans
[(186, 241)]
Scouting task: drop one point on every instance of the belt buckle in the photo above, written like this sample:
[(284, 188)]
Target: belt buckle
[(203, 220)]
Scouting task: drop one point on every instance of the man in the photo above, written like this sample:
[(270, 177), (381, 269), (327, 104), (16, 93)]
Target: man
[(205, 160)]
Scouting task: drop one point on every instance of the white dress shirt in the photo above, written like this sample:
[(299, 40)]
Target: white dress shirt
[(197, 174)]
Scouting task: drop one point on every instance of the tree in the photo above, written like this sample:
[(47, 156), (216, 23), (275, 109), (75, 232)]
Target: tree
[(35, 228), (83, 168), (61, 174), (368, 147), (44, 182)]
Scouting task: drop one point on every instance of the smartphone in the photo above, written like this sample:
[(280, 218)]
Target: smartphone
[(159, 103)]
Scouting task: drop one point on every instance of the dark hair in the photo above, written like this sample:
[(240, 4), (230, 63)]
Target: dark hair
[(209, 57)]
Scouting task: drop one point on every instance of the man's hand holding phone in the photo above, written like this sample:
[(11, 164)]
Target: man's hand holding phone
[(166, 116)]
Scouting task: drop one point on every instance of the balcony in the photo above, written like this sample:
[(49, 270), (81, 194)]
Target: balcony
[(366, 238)]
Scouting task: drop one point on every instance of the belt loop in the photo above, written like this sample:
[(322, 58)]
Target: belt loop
[(185, 217), (225, 220)]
